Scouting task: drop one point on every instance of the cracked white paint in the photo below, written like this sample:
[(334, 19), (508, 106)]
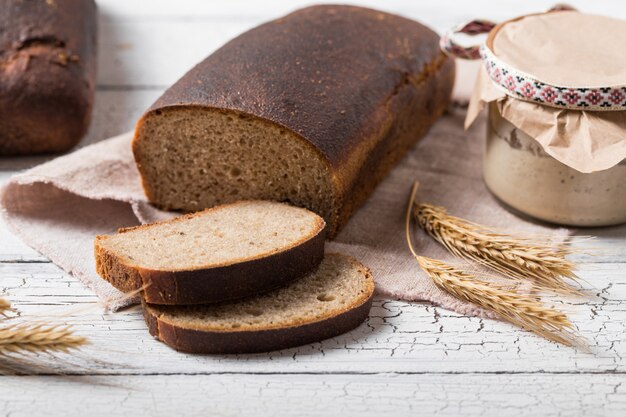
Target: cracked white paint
[(330, 395), (397, 337)]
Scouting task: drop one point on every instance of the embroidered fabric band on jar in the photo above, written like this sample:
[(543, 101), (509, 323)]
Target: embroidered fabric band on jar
[(554, 85)]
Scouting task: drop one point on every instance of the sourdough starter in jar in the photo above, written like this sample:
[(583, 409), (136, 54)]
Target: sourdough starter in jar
[(518, 171)]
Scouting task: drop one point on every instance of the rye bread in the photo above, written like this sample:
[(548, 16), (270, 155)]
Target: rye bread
[(224, 253), (313, 108), (47, 74), (332, 300)]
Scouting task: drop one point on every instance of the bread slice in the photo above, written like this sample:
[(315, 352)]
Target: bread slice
[(332, 300), (224, 253)]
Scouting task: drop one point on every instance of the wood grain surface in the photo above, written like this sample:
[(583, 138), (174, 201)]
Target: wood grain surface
[(406, 359)]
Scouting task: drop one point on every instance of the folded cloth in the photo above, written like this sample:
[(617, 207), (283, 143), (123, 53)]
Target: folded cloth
[(58, 208)]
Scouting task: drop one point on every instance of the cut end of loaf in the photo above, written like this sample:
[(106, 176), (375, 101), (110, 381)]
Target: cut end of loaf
[(330, 301), (192, 158)]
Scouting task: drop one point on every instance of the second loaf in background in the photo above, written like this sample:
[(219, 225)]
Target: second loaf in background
[(314, 108)]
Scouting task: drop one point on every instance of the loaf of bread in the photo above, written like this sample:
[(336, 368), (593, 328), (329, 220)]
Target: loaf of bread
[(313, 109), (224, 253), (47, 74), (332, 300)]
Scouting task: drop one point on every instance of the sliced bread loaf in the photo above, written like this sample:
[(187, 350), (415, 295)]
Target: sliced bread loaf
[(332, 300), (314, 108), (228, 252)]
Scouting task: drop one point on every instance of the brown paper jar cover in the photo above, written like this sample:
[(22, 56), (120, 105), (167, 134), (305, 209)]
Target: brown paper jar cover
[(565, 48)]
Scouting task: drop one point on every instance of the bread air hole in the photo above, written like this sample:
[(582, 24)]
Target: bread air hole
[(325, 297), (235, 172)]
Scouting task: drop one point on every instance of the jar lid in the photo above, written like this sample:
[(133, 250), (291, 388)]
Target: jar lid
[(561, 59)]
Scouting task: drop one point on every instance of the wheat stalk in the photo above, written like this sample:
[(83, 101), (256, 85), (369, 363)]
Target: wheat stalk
[(23, 343), (524, 310), (38, 337), (513, 257)]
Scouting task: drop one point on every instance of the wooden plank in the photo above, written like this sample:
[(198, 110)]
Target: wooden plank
[(251, 9), (407, 358), (143, 46), (316, 395), (398, 337), (148, 54), (14, 250)]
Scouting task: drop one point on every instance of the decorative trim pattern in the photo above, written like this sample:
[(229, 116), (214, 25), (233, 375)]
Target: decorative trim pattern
[(525, 87)]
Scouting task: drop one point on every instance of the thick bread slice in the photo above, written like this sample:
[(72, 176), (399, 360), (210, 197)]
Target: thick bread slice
[(228, 252), (332, 300)]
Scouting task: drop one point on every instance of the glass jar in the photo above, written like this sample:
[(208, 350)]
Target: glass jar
[(522, 175)]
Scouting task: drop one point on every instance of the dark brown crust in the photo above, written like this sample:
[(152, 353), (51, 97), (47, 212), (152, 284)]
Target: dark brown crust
[(401, 132), (47, 74), (215, 284), (233, 342), (361, 86)]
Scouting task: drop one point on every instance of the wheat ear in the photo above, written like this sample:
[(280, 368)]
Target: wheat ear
[(38, 338), (526, 311), (523, 310), (513, 257)]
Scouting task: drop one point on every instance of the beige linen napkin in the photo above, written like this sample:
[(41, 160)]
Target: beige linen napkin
[(58, 207)]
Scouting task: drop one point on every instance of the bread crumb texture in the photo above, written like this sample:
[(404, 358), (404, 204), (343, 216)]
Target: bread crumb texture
[(193, 158), (216, 237)]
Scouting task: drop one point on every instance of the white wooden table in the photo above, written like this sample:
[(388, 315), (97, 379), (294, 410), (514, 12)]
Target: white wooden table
[(407, 359)]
